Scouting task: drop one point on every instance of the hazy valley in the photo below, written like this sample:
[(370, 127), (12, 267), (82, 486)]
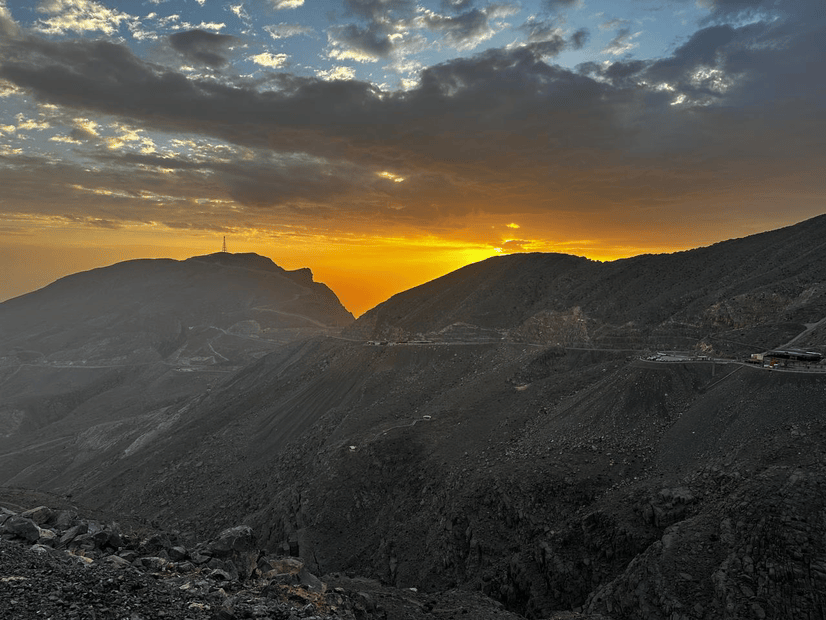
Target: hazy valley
[(499, 439)]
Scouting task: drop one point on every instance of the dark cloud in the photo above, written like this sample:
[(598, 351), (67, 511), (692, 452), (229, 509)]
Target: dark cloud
[(580, 38), (460, 31), (544, 37), (540, 30), (494, 130), (370, 43), (377, 10), (203, 48)]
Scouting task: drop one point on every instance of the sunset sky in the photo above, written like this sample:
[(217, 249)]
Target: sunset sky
[(383, 143)]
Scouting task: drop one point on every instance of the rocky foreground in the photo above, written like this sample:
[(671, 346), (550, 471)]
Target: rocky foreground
[(56, 564)]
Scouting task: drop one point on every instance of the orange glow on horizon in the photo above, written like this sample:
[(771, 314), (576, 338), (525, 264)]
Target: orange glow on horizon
[(362, 270)]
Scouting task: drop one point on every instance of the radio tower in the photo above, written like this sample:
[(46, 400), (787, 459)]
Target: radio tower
[(224, 247)]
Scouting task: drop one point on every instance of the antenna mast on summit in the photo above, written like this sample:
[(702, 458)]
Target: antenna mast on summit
[(224, 247)]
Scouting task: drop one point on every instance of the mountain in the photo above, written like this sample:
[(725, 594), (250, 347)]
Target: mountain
[(116, 351), (509, 429), (741, 295)]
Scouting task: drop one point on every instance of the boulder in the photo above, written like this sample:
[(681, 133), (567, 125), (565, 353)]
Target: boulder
[(5, 514), (64, 519), (154, 544), (200, 558), (21, 527), (107, 538), (72, 533), (238, 539), (236, 544), (128, 555), (40, 515), (84, 541), (225, 566)]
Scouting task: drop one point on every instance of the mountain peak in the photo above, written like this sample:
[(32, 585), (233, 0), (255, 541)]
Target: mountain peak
[(240, 259)]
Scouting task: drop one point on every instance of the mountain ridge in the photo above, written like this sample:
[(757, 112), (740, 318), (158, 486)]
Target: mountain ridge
[(681, 293)]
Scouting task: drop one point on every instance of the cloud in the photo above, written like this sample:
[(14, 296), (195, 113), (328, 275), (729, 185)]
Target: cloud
[(361, 44), (8, 27), (285, 30), (546, 38), (579, 39), (466, 30), (337, 73), (79, 16), (495, 132), (286, 4), (272, 61), (621, 43), (613, 24), (541, 30), (380, 10), (203, 48), (457, 6)]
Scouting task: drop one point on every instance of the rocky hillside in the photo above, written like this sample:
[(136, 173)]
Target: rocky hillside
[(737, 296), (505, 433), (66, 564)]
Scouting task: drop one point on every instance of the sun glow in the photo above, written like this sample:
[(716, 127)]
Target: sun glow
[(392, 177)]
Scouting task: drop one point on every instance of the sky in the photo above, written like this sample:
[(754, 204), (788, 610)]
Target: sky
[(383, 143)]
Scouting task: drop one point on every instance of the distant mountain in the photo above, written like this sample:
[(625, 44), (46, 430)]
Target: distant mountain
[(740, 295), (130, 339), (147, 309)]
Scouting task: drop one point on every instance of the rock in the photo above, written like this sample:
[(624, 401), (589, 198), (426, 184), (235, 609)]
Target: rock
[(117, 561), (40, 515), (220, 574), (129, 555), (37, 548), (107, 538), (269, 567), (151, 563), (199, 558), (177, 554), (236, 544), (72, 533), (47, 538), (154, 544), (226, 566), (64, 519), (21, 527), (5, 514), (225, 613), (238, 539)]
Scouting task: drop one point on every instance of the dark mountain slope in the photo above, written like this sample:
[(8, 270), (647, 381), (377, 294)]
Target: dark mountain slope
[(769, 285), (541, 477)]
